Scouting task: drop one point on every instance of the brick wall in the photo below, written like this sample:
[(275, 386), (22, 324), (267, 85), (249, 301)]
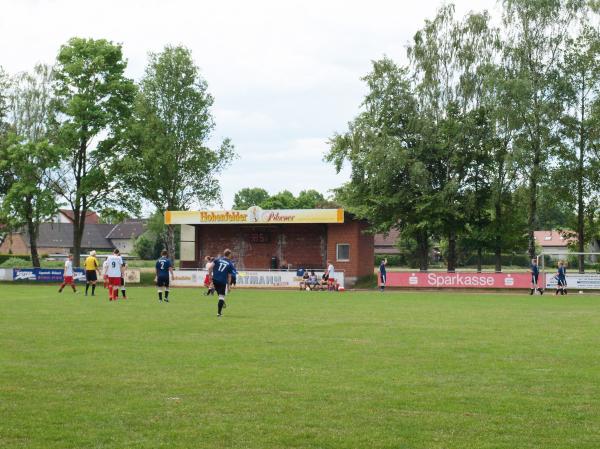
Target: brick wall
[(300, 245), (360, 262), (14, 244)]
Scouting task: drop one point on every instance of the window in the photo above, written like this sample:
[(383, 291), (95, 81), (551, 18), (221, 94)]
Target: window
[(342, 252)]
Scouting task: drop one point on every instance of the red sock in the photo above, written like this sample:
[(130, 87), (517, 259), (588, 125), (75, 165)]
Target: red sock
[(110, 292)]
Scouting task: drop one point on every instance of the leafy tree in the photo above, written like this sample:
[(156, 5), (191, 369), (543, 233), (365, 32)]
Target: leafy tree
[(111, 215), (168, 162), (28, 157), (282, 200), (93, 100), (309, 199), (577, 156), (248, 197), (534, 46)]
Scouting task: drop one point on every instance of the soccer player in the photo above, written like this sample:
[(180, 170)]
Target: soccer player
[(68, 275), (221, 276), (123, 292), (114, 273), (91, 266), (382, 274), (561, 277), (164, 268), (535, 272), (208, 278), (330, 276), (104, 271)]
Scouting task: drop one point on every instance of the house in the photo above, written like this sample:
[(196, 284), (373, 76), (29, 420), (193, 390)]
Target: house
[(67, 216), (123, 235), (386, 243), (553, 242), (58, 238)]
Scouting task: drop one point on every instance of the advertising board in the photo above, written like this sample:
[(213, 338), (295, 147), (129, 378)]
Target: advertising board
[(458, 280)]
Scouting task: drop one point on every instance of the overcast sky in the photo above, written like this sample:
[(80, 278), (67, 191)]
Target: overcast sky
[(285, 74)]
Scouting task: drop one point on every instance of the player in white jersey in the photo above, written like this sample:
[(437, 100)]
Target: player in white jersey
[(68, 275), (114, 273), (104, 270)]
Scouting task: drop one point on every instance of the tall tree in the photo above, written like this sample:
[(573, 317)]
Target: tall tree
[(534, 46), (581, 127), (168, 162), (248, 197), (93, 99), (28, 157)]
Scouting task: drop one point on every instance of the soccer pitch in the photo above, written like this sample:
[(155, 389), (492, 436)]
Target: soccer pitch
[(290, 369)]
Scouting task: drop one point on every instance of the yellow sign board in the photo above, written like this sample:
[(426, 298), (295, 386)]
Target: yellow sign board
[(255, 215)]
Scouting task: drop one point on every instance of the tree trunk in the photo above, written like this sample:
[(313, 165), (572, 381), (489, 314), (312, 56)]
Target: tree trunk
[(32, 230), (451, 252), (498, 236), (479, 259), (78, 227), (170, 242), (532, 217), (580, 176), (423, 250)]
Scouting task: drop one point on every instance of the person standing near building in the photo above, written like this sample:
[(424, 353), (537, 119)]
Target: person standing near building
[(114, 273), (68, 275), (221, 277), (164, 271), (123, 292), (330, 276), (382, 274), (534, 269), (91, 266)]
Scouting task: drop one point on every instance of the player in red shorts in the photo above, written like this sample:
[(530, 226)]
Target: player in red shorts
[(208, 278), (114, 273), (68, 275)]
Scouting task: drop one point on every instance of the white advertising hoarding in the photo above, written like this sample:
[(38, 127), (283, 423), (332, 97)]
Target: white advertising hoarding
[(252, 279), (576, 281)]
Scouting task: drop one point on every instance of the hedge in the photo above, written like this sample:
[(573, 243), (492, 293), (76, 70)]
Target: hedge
[(5, 257)]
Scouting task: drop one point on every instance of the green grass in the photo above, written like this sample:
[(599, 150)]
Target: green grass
[(298, 370)]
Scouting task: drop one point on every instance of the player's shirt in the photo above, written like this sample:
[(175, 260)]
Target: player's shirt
[(114, 266), (162, 267), (535, 270), (562, 272), (222, 267), (91, 263), (382, 269), (68, 268), (331, 271)]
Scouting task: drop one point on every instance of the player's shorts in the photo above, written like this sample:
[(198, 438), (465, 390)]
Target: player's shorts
[(68, 279), (90, 275), (562, 281), (383, 278), (122, 281), (534, 277), (207, 280), (114, 281), (220, 288), (162, 281), (233, 280)]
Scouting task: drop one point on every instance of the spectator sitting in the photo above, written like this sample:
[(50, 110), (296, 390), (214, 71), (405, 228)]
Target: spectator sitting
[(304, 281), (313, 280)]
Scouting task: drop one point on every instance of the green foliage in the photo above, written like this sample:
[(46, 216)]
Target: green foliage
[(92, 104), (5, 257), (111, 215), (248, 197), (147, 246), (15, 262)]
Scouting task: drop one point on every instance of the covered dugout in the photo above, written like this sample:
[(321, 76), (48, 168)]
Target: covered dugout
[(277, 239)]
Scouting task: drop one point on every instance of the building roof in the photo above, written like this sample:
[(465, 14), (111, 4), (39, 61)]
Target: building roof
[(91, 217), (60, 235), (127, 230), (386, 243), (552, 239)]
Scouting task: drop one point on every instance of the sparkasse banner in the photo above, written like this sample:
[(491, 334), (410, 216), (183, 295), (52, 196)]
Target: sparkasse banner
[(458, 280)]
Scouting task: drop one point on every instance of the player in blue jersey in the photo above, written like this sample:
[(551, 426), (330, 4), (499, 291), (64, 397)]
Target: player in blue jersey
[(164, 268), (383, 274), (221, 276), (534, 269), (561, 278)]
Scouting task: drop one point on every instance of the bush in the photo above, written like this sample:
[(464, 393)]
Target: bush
[(394, 260), (5, 257), (144, 246), (16, 262)]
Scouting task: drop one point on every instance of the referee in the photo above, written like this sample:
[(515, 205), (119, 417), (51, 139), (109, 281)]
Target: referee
[(91, 266)]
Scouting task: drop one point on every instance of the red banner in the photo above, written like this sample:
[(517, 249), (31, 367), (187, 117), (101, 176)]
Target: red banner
[(459, 280)]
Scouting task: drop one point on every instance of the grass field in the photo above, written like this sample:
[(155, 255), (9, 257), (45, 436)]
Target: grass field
[(298, 370)]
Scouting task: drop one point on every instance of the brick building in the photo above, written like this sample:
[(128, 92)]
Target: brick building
[(282, 239)]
